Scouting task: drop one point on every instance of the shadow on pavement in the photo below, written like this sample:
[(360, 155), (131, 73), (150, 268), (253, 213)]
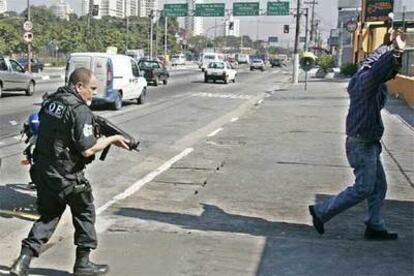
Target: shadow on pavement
[(296, 249), (342, 250), (37, 271), (17, 200), (397, 106), (215, 219)]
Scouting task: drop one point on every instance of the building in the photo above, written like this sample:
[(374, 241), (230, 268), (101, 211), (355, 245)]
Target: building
[(61, 9), (3, 6), (146, 6), (192, 24), (115, 8)]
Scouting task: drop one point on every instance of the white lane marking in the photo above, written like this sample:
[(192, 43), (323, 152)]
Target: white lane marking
[(215, 132), (17, 137), (224, 96), (13, 123), (140, 183), (234, 119), (260, 101)]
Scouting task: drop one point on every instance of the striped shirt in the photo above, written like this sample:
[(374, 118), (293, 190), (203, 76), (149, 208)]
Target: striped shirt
[(368, 92)]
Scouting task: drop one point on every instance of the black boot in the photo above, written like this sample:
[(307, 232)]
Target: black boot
[(21, 266), (84, 267)]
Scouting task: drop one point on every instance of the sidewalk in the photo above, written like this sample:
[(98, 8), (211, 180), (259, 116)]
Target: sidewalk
[(237, 205)]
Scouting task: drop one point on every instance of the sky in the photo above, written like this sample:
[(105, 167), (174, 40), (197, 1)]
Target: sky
[(256, 27)]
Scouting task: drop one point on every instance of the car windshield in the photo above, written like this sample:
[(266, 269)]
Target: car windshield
[(257, 61), (175, 56), (208, 57), (149, 64), (216, 65)]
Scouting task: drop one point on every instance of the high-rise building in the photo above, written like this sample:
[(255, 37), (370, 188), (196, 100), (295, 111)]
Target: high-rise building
[(3, 6), (114, 8), (61, 9), (192, 24), (146, 6)]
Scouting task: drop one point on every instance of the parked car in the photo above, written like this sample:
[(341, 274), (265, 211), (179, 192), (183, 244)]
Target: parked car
[(276, 62), (13, 77), (154, 71), (257, 64), (178, 60), (118, 76), (220, 70), (35, 65)]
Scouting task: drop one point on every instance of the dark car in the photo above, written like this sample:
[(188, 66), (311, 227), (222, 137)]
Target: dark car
[(154, 71), (36, 64), (276, 62)]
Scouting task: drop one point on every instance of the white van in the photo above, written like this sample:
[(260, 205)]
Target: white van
[(209, 57), (118, 76), (178, 60)]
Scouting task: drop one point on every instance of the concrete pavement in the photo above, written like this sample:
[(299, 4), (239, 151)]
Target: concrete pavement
[(237, 204)]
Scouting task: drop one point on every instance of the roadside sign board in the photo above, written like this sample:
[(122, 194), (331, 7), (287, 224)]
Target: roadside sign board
[(209, 10), (378, 10), (175, 10), (28, 37), (273, 41), (27, 26), (351, 26), (245, 8), (277, 8)]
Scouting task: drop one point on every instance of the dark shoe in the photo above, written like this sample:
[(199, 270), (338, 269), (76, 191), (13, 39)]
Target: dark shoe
[(375, 235), (21, 265), (90, 269), (317, 223)]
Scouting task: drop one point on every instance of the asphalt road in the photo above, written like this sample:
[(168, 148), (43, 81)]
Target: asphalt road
[(174, 117)]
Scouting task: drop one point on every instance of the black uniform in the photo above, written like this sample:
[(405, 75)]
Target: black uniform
[(66, 129)]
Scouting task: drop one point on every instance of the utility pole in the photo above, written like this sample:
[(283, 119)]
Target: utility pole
[(165, 36), (151, 16), (340, 50), (126, 26), (312, 28), (295, 78), (156, 35), (29, 45), (305, 46)]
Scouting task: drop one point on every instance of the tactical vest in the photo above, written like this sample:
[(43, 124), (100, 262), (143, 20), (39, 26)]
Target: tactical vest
[(55, 146)]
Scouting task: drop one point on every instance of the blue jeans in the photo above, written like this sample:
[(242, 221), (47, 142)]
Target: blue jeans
[(370, 183)]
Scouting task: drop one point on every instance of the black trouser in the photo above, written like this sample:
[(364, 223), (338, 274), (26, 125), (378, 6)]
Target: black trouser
[(51, 205)]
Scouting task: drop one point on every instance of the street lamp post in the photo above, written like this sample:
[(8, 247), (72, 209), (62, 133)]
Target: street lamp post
[(151, 16)]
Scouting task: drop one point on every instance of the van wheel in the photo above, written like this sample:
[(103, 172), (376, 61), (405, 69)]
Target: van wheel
[(156, 82), (30, 89), (141, 98), (118, 102), (165, 82), (1, 90), (234, 80)]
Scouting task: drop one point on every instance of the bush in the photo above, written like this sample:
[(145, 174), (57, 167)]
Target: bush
[(348, 69), (326, 62)]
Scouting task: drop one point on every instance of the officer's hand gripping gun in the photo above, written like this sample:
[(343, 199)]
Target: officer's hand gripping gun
[(106, 128)]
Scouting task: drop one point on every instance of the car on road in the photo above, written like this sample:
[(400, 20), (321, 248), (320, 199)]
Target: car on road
[(220, 70), (118, 76), (154, 71), (35, 64), (257, 64), (275, 62), (209, 57), (13, 77), (233, 62), (178, 60)]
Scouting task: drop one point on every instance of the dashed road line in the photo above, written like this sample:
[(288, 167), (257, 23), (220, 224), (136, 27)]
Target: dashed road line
[(214, 133), (224, 96), (234, 119)]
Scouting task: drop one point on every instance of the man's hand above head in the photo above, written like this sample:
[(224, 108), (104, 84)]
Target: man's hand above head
[(398, 41)]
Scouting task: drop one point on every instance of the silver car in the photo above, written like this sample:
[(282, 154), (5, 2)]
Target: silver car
[(14, 78)]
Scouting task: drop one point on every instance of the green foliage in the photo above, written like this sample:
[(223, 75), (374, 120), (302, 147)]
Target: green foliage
[(348, 69), (75, 36), (326, 62)]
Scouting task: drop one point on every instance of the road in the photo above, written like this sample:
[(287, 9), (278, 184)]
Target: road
[(175, 117)]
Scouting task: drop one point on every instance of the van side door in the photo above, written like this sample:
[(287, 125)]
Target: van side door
[(100, 71), (139, 82)]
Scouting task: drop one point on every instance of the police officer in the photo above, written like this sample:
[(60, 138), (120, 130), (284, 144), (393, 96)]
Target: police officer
[(66, 143)]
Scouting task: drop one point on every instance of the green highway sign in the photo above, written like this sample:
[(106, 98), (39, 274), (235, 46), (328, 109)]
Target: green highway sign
[(175, 10), (245, 8), (209, 10), (277, 8)]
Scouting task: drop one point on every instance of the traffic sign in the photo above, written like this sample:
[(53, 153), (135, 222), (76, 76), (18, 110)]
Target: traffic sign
[(209, 10), (28, 37), (277, 8), (175, 10), (351, 26), (245, 8), (27, 26)]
